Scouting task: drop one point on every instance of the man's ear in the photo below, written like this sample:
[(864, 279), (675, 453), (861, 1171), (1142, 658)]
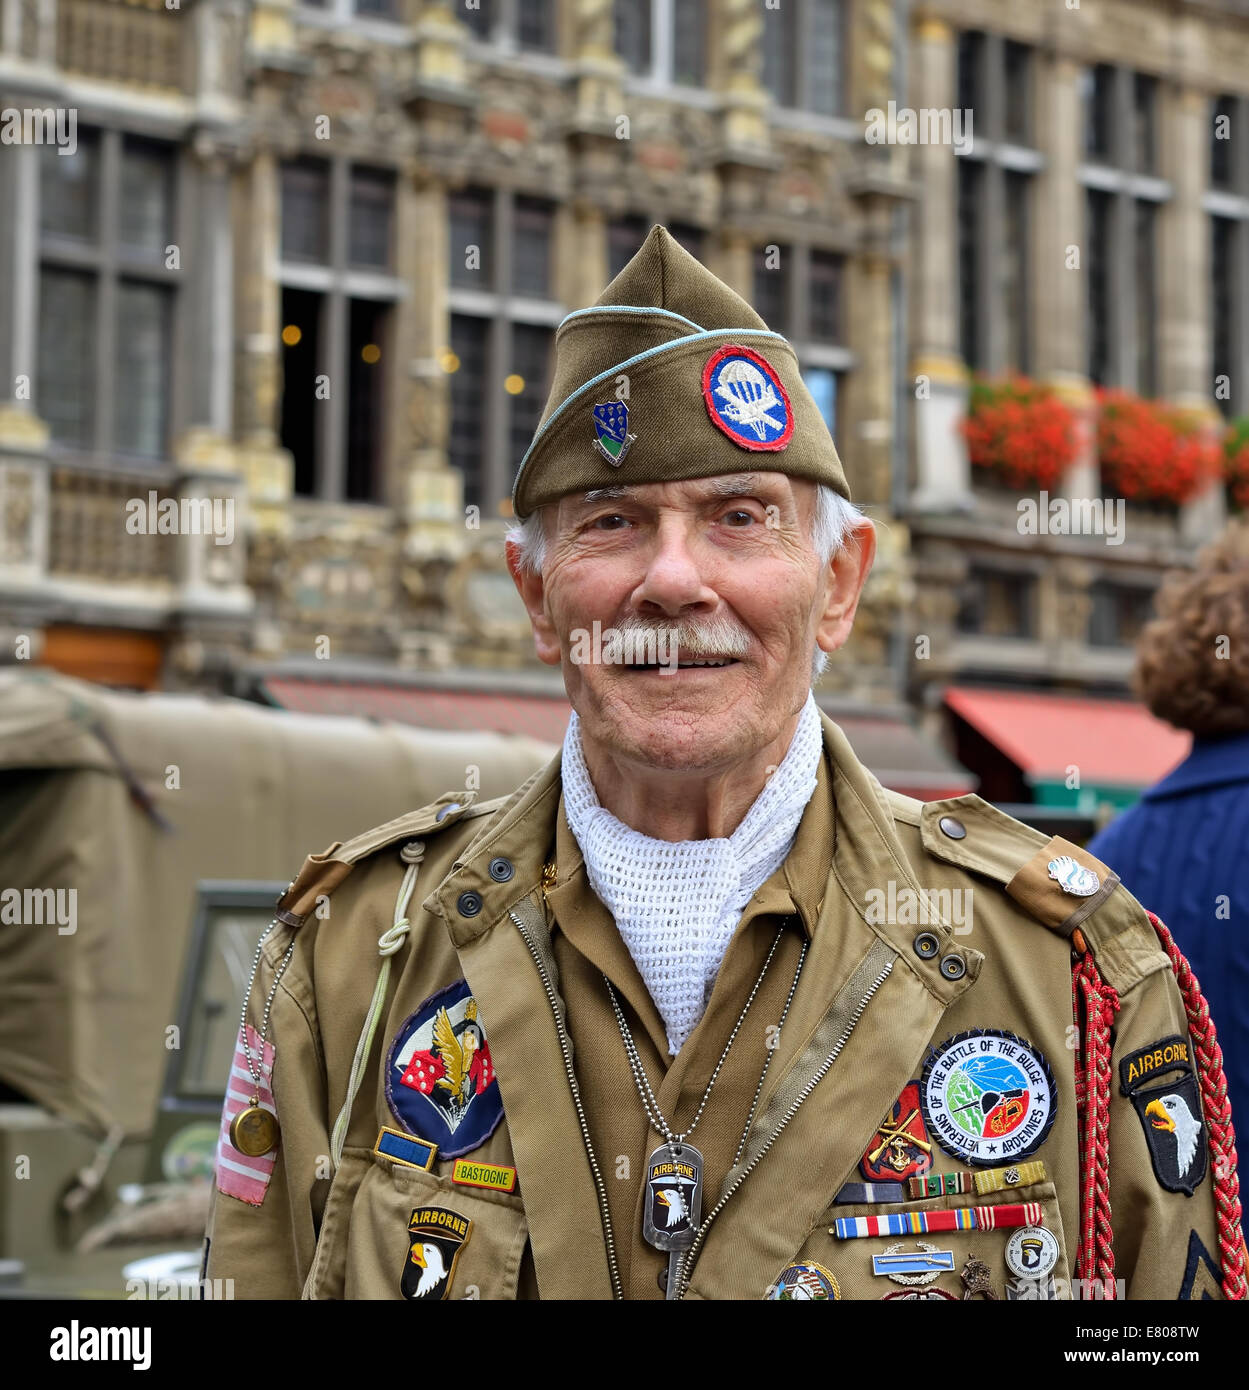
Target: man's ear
[(532, 593), (843, 584)]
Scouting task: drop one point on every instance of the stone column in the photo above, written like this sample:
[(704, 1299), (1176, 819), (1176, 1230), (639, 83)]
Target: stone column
[(431, 494), (1060, 282), (267, 467), (20, 426), (439, 40), (736, 69), (598, 68), (943, 480), (1185, 375)]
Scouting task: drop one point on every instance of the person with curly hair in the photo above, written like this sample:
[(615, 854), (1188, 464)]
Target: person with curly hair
[(1184, 847)]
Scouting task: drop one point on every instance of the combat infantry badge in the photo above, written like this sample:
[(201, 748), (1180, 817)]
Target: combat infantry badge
[(435, 1238), (611, 431)]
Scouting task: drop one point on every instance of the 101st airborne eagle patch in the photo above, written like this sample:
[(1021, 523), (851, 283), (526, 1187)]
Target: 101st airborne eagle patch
[(1170, 1113), (435, 1238)]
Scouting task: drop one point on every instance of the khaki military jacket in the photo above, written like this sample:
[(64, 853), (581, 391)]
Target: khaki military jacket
[(929, 1036)]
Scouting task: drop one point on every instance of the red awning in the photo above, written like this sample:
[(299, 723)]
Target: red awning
[(1112, 742), (900, 756)]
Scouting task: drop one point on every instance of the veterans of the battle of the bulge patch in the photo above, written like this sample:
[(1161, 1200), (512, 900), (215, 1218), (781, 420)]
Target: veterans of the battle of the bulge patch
[(466, 1091)]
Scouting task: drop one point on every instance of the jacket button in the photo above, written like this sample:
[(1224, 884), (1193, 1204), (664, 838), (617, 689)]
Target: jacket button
[(953, 967), (469, 904), (951, 827), (662, 1278), (926, 945), (501, 870), (445, 811)]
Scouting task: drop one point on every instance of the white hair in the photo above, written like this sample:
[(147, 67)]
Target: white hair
[(834, 521)]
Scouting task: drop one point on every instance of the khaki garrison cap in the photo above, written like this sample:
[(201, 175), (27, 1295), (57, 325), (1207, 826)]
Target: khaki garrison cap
[(711, 389)]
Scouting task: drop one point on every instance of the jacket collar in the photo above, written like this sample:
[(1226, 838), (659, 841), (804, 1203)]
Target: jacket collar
[(1213, 762)]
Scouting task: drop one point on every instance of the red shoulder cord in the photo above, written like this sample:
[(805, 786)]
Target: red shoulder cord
[(1095, 1257)]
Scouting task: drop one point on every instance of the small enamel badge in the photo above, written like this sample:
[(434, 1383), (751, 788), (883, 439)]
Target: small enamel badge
[(1170, 1113), (439, 1076), (611, 431), (988, 1097), (747, 400), (1072, 877), (804, 1282), (435, 1238), (1032, 1252), (900, 1147)]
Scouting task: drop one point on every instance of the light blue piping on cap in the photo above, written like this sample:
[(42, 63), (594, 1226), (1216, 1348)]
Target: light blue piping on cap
[(631, 309), (632, 361)]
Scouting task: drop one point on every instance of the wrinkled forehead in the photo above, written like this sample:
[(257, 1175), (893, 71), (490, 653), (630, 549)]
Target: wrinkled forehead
[(692, 492)]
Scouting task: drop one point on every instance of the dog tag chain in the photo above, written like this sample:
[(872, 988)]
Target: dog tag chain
[(254, 1130), (672, 1210)]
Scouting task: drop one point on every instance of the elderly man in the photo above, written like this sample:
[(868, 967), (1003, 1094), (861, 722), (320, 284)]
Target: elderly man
[(701, 1010)]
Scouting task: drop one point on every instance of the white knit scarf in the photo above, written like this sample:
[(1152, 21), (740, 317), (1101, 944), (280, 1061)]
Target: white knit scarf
[(676, 903)]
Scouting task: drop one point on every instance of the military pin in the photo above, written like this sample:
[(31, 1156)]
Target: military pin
[(1072, 877), (1031, 1252), (977, 1279), (254, 1130)]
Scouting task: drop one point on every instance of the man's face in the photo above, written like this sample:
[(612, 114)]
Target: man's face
[(728, 562)]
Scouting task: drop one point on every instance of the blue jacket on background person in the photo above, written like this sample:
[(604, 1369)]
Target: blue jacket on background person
[(1184, 850)]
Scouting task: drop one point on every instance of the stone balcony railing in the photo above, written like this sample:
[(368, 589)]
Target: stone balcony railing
[(139, 43), (80, 532)]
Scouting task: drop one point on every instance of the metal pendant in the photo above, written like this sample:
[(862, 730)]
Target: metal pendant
[(254, 1131), (674, 1197)]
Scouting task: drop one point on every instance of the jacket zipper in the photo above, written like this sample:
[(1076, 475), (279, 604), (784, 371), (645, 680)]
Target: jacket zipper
[(687, 1264), (609, 1237)]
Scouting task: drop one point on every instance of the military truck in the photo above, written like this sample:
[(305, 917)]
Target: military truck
[(143, 839)]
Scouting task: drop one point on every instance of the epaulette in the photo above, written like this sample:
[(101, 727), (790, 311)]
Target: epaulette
[(322, 873), (1057, 883)]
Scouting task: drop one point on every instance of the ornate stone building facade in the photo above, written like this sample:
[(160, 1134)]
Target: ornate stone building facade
[(1093, 236), (335, 240)]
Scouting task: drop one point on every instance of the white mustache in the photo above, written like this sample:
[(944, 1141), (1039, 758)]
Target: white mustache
[(693, 637)]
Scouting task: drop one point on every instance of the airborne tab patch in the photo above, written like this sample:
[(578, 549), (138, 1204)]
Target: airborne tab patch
[(1170, 1113)]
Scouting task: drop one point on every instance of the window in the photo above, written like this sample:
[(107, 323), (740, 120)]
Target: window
[(1142, 151), (1118, 613), (997, 603), (467, 442), (1099, 102), (106, 294), (338, 299), (825, 296), (803, 55), (970, 219), (1227, 203), (371, 213), (1099, 216), (529, 25), (994, 190), (471, 242), (1225, 236), (1017, 97), (532, 224), (503, 321), (624, 236), (1224, 141), (306, 210), (1146, 336), (771, 288), (1012, 270), (663, 40), (1123, 197)]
